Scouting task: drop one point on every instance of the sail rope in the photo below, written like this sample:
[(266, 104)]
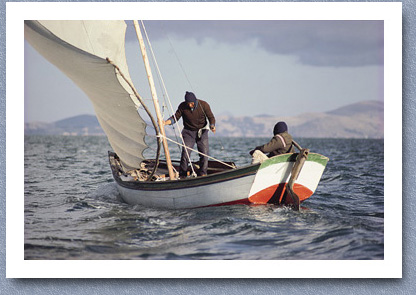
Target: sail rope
[(178, 59), (159, 135), (187, 147), (167, 95), (190, 84), (160, 79)]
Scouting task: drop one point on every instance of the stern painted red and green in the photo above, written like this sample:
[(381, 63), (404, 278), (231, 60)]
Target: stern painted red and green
[(263, 183), (269, 185)]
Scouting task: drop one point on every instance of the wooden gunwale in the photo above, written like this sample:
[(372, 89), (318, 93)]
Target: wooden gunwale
[(209, 179), (182, 183)]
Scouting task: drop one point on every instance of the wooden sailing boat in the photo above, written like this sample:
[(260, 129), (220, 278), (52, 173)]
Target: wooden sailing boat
[(92, 54)]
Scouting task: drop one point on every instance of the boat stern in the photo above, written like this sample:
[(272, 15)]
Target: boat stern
[(270, 183)]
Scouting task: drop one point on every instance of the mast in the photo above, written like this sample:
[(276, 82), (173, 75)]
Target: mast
[(155, 100)]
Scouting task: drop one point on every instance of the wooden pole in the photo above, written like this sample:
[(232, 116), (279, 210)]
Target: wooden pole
[(297, 167), (155, 100)]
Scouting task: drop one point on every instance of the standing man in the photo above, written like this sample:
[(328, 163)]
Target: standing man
[(194, 113)]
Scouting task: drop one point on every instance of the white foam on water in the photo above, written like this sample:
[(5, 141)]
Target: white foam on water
[(106, 192)]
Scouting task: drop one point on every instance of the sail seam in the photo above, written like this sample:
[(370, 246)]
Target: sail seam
[(88, 35)]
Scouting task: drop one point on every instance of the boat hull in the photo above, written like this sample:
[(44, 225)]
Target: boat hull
[(254, 184), (233, 191)]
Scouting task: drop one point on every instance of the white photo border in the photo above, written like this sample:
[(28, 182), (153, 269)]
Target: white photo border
[(389, 267)]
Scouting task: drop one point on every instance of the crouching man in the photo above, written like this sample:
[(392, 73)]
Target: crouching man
[(281, 143)]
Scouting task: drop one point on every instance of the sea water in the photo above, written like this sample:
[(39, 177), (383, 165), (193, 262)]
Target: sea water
[(73, 209)]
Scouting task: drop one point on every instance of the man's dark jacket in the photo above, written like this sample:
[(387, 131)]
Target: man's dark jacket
[(195, 119), (276, 146)]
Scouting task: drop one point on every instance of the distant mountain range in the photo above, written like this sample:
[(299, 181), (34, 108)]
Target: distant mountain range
[(78, 125), (359, 120)]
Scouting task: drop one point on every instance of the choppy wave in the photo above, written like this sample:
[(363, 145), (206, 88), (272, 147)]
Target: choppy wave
[(73, 209)]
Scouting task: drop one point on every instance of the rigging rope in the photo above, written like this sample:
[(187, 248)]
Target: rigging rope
[(171, 108), (186, 147), (190, 84), (177, 58), (165, 90)]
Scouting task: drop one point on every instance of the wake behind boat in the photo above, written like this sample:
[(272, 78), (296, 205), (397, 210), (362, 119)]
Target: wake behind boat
[(91, 53)]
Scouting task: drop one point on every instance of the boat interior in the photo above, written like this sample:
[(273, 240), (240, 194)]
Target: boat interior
[(161, 172)]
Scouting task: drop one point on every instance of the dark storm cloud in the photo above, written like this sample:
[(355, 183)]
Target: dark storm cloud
[(318, 43)]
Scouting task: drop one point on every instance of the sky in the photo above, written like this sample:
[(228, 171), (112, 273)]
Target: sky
[(242, 68)]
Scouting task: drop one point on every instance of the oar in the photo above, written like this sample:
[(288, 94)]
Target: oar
[(296, 145), (297, 167)]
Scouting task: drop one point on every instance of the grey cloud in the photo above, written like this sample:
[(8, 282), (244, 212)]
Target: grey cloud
[(317, 43)]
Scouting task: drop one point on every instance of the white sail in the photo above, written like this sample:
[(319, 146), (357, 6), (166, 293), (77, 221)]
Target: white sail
[(79, 49)]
